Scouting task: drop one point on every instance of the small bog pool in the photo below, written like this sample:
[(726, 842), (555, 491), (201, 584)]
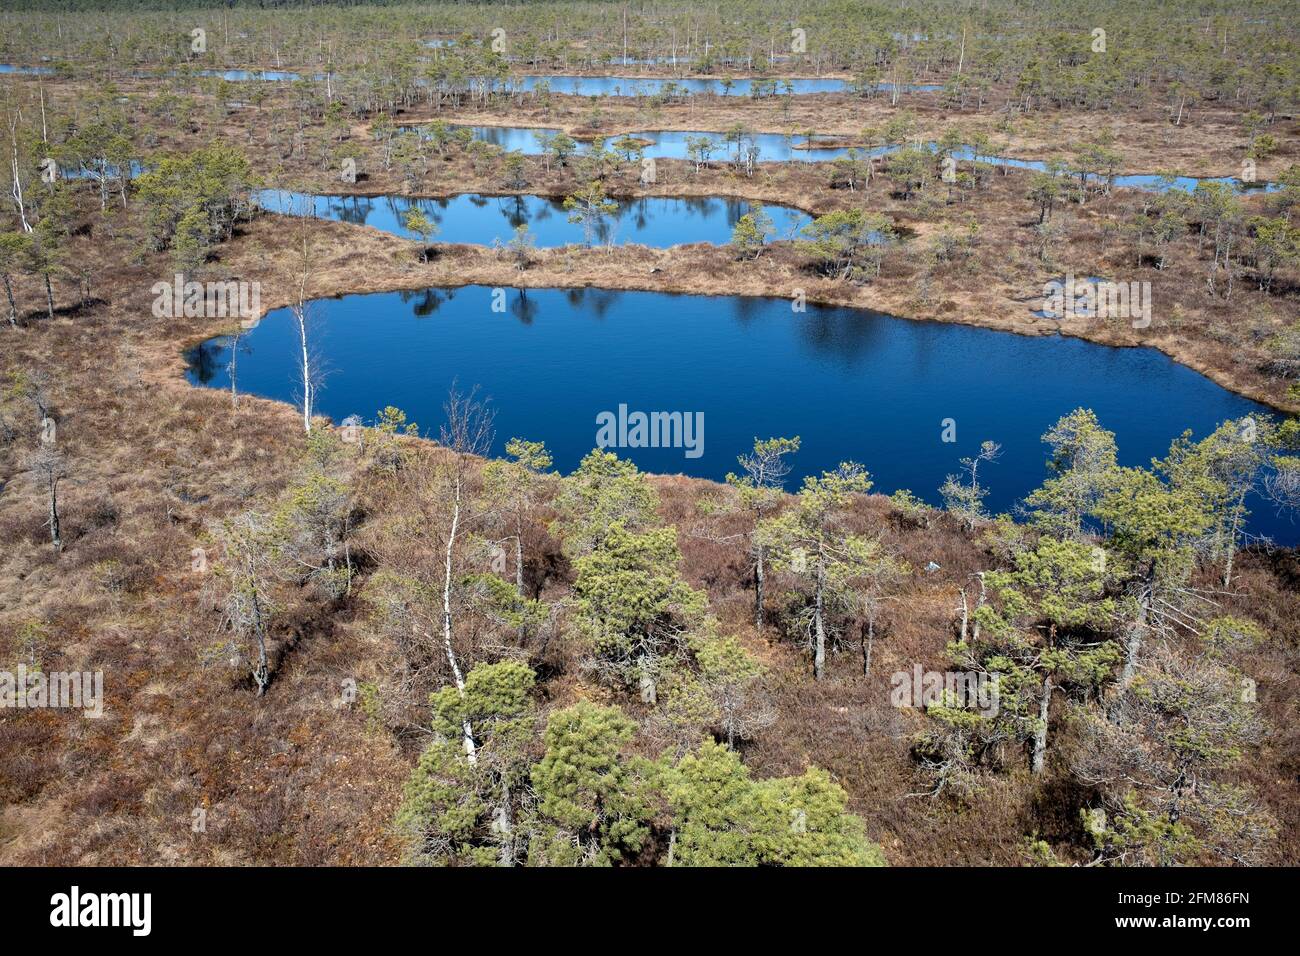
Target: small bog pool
[(484, 220)]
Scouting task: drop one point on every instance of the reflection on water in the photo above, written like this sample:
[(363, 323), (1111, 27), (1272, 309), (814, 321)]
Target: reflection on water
[(205, 361), (425, 302), (782, 148), (665, 144), (851, 383), (483, 220)]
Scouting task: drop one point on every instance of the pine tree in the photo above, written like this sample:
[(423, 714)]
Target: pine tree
[(602, 490), (760, 489), (593, 798), (634, 607), (751, 233), (461, 811), (810, 543)]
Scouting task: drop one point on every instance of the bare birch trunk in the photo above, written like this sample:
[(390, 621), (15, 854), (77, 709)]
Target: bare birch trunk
[(1040, 734), (466, 730), (819, 625)]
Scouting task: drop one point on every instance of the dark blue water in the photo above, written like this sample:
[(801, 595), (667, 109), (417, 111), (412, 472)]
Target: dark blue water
[(851, 383), (479, 219)]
